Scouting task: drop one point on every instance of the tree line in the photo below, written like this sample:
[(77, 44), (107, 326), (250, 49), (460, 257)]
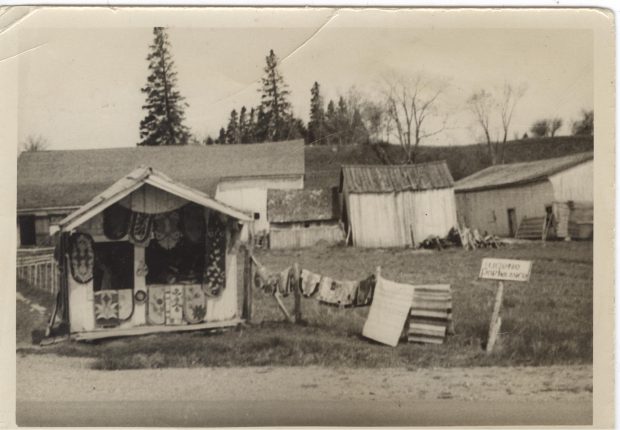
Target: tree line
[(410, 110)]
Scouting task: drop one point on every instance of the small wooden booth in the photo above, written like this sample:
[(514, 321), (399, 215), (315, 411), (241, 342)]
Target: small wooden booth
[(147, 255)]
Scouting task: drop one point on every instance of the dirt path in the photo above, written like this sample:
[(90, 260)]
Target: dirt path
[(52, 378)]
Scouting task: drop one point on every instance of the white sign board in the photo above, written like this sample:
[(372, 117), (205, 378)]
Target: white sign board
[(505, 270)]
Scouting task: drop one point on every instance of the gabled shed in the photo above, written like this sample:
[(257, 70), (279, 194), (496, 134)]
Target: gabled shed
[(148, 254), (397, 205)]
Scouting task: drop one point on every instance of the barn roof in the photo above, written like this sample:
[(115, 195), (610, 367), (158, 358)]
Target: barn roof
[(69, 178), (302, 205), (396, 178), (505, 175)]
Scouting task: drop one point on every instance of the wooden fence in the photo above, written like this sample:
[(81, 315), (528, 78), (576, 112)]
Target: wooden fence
[(38, 269)]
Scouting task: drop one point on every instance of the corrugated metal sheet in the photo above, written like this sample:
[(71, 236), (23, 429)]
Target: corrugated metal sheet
[(396, 178), (519, 173), (302, 205)]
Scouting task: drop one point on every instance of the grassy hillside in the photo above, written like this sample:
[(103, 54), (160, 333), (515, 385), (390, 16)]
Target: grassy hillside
[(323, 162)]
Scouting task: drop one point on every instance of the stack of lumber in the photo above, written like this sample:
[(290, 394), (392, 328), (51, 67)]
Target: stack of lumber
[(531, 228), (430, 316)]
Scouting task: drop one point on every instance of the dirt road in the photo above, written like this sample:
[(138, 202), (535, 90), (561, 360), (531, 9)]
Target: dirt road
[(255, 413), (260, 395)]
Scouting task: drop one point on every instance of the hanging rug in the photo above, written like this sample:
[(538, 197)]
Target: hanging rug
[(116, 222), (195, 305), (82, 257), (106, 308), (214, 278), (156, 310), (140, 226), (174, 304)]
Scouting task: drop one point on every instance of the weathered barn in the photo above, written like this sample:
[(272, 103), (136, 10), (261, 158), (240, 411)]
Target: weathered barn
[(51, 184), (499, 198), (146, 255), (302, 218), (397, 205)]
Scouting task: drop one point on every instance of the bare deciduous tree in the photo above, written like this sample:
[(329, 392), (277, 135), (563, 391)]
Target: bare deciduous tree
[(33, 143), (412, 106), (554, 125), (493, 112)]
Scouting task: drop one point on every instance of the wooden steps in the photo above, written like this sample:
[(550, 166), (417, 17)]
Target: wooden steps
[(430, 316), (531, 228)]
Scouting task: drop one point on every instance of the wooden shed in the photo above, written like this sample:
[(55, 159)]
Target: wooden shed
[(51, 184), (303, 218), (521, 198), (397, 205), (146, 255)]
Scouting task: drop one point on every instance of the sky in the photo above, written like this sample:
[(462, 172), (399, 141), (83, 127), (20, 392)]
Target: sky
[(79, 86)]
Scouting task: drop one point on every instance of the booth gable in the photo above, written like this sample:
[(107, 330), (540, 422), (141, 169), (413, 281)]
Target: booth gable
[(137, 179)]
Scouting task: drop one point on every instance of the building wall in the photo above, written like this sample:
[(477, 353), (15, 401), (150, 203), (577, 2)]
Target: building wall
[(251, 195), (297, 235), (488, 210), (400, 219), (574, 184)]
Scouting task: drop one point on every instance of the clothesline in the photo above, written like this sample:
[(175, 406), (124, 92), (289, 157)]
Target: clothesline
[(313, 285), (424, 311)]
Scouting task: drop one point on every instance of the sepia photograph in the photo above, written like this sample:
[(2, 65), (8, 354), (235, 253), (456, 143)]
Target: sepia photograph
[(251, 217)]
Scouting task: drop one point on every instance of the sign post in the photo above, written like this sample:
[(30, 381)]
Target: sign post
[(502, 270)]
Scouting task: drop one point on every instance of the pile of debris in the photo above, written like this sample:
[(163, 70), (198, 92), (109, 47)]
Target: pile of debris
[(465, 238)]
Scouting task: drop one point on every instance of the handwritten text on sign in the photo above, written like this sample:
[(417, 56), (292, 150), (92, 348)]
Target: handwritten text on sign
[(505, 270)]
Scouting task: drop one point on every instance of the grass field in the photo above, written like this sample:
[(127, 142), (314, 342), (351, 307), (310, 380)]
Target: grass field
[(546, 321)]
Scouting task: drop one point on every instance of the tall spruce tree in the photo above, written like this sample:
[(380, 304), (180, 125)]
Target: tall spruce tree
[(331, 123), (221, 139), (249, 136), (316, 125), (243, 124), (276, 108), (163, 124), (232, 131)]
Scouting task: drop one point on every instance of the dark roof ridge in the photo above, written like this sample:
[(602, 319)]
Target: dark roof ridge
[(425, 163)]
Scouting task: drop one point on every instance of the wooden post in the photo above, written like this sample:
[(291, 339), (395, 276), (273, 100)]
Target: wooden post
[(496, 321), (297, 293), (247, 284)]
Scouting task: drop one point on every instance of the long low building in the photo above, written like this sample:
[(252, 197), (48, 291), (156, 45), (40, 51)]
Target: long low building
[(500, 198), (51, 184)]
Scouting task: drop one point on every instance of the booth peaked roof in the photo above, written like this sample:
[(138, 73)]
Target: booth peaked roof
[(505, 175), (396, 178), (133, 181), (69, 178)]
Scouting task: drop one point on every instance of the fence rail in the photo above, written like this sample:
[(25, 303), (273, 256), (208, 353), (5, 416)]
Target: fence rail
[(38, 269)]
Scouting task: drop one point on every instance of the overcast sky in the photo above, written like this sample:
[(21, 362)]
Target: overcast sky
[(80, 87)]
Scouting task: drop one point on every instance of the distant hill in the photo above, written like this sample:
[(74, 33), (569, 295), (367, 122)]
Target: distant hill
[(323, 162)]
